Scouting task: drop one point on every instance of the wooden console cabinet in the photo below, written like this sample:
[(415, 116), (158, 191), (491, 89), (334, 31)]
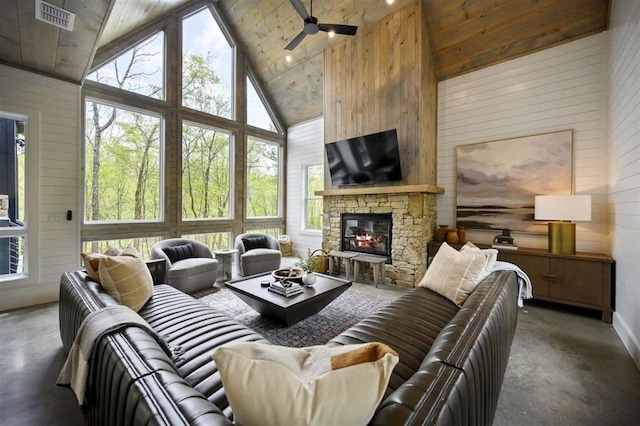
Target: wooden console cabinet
[(583, 279)]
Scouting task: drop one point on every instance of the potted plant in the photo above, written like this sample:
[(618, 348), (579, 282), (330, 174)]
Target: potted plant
[(308, 264)]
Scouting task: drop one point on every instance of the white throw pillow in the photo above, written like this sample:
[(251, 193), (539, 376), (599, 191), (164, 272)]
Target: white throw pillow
[(453, 274), (318, 385), (490, 255), (127, 279)]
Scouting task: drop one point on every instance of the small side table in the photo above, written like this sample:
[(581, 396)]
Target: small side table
[(225, 259)]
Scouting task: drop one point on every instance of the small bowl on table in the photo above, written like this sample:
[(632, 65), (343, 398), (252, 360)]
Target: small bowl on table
[(291, 274)]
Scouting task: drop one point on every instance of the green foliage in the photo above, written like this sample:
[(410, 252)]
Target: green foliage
[(307, 263), (263, 172)]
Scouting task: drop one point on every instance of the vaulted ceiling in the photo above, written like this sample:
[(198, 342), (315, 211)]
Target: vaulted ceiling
[(464, 35)]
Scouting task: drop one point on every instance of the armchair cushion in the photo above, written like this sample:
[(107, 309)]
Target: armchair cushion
[(179, 252), (255, 242)]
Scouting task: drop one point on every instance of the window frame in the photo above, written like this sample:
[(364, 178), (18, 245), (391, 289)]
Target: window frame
[(306, 197), (31, 227)]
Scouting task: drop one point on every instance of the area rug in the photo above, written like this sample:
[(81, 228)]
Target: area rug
[(344, 312)]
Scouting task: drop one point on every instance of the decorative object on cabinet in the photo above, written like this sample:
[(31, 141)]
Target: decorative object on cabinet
[(497, 181), (452, 236), (441, 233), (585, 280), (561, 211)]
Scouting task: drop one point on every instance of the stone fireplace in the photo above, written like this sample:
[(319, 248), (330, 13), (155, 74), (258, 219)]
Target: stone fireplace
[(412, 224)]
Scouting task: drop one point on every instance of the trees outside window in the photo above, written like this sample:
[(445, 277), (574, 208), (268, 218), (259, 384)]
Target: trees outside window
[(313, 181), (206, 165), (139, 69), (207, 65), (143, 245), (263, 178), (213, 240), (122, 164)]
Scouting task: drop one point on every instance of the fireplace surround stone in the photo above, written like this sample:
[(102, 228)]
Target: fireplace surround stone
[(414, 222)]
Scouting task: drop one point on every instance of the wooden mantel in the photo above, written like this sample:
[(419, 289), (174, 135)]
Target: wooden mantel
[(403, 189)]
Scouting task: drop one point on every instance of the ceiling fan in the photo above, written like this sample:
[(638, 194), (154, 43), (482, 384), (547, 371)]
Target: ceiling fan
[(311, 25)]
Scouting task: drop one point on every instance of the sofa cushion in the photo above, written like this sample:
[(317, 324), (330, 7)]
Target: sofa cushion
[(193, 266), (179, 252), (453, 274), (127, 279), (318, 385), (255, 242), (91, 261)]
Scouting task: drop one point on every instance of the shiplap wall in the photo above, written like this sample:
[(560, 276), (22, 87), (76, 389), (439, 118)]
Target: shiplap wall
[(624, 167), (57, 103), (305, 146), (557, 89)]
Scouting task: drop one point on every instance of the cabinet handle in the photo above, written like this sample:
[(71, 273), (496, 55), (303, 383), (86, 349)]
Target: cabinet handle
[(549, 277)]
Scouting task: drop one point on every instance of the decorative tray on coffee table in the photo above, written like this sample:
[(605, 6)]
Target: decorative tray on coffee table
[(291, 274)]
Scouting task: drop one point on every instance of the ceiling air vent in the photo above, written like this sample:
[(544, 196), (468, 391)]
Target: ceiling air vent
[(54, 15)]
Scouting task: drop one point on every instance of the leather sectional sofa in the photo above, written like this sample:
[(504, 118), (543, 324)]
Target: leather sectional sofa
[(452, 359)]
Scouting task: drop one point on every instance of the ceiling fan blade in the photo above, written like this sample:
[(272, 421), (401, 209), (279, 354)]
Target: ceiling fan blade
[(299, 7), (339, 29), (296, 41)]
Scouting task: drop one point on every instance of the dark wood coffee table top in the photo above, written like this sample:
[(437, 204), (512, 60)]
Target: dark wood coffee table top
[(288, 309)]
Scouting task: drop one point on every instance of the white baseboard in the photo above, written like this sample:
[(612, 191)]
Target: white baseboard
[(14, 298), (628, 339)]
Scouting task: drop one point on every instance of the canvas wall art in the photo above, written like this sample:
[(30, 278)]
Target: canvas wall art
[(497, 181)]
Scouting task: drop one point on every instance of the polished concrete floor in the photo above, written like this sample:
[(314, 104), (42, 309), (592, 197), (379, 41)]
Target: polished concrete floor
[(565, 369)]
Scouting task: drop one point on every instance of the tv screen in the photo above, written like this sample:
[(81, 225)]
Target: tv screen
[(366, 159)]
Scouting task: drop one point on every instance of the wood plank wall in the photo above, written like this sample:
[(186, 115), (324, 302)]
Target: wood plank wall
[(383, 79)]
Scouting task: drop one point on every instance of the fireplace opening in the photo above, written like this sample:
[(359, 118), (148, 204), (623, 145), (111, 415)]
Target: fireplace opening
[(367, 234)]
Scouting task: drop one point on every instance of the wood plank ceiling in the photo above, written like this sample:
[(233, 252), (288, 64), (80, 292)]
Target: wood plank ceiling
[(465, 35)]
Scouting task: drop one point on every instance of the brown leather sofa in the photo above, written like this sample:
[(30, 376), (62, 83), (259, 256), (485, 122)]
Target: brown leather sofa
[(452, 359)]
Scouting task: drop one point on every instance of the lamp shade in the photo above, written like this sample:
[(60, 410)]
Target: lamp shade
[(563, 207)]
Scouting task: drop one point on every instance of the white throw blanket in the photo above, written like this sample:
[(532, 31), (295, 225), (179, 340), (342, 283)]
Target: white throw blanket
[(95, 325), (524, 283)]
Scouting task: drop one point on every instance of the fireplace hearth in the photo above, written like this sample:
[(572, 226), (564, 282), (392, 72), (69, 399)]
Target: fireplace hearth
[(367, 234)]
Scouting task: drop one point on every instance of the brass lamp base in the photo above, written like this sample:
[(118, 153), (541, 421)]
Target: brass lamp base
[(562, 237)]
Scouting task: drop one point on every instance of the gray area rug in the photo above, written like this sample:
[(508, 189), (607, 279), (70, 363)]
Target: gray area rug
[(342, 313)]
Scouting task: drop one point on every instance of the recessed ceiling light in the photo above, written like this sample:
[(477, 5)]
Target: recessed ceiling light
[(389, 1), (332, 33), (288, 58)]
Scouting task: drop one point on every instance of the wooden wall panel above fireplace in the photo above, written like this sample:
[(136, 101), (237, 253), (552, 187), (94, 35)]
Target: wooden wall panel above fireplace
[(396, 189)]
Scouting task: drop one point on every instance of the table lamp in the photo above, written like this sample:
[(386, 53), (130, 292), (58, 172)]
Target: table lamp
[(561, 210)]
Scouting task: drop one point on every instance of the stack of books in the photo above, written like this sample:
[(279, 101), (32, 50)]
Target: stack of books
[(287, 291), (504, 246)]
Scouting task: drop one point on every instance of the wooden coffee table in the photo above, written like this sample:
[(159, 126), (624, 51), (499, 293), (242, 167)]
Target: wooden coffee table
[(288, 310)]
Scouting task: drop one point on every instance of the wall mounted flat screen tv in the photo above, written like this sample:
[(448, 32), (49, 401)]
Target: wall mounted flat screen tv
[(365, 159)]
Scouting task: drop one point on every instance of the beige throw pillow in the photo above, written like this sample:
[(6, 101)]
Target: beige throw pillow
[(318, 385), (453, 274), (91, 261), (127, 279), (490, 257)]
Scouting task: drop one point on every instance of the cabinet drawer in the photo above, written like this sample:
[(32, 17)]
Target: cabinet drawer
[(535, 267)]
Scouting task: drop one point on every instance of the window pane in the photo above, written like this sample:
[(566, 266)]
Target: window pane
[(263, 169), (274, 232), (122, 164), (138, 70), (143, 245), (214, 240), (12, 172), (11, 255), (314, 214), (206, 170), (257, 114), (207, 65)]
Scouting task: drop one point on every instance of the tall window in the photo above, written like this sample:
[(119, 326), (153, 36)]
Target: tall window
[(13, 231), (122, 164), (138, 70), (263, 178), (313, 181), (207, 65), (206, 165)]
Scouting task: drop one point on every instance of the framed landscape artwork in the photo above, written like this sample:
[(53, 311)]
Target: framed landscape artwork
[(497, 181)]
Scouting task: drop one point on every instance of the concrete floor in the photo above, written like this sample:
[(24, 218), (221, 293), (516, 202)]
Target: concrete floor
[(565, 368)]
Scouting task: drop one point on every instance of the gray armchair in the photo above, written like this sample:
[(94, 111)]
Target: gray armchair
[(256, 253), (190, 264)]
